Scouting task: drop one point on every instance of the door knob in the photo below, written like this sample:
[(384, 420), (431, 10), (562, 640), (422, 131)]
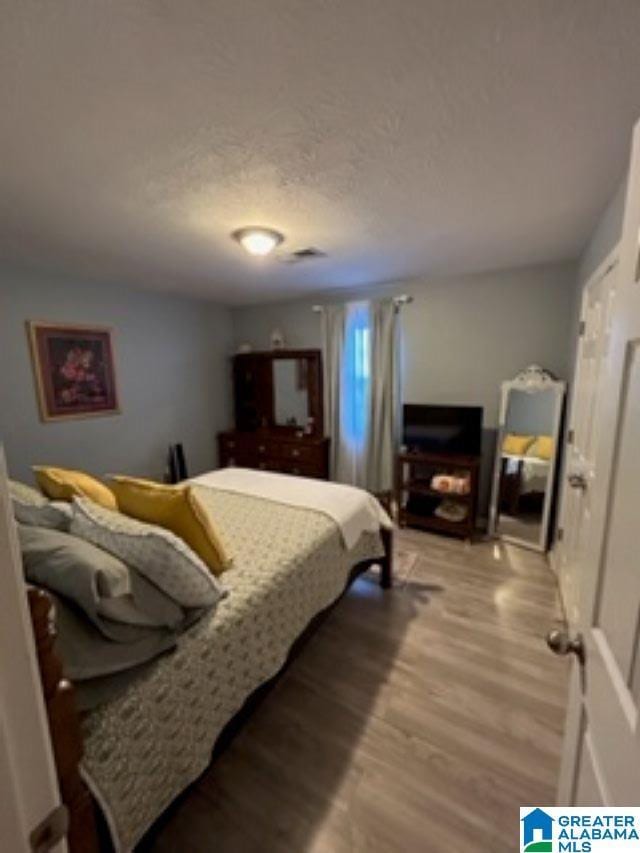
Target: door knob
[(578, 481), (561, 643)]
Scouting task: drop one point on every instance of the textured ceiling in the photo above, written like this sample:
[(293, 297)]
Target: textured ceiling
[(403, 138)]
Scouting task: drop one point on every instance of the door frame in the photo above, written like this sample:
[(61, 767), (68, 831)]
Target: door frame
[(28, 777)]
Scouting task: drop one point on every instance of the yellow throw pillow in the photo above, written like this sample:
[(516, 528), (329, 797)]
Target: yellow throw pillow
[(178, 509), (517, 445), (542, 447), (63, 484)]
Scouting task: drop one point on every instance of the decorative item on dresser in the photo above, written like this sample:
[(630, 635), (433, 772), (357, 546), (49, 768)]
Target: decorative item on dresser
[(279, 414)]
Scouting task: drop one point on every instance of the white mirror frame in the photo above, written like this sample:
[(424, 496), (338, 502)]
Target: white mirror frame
[(531, 380)]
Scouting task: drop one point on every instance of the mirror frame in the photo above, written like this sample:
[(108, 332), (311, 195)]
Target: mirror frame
[(262, 363), (531, 380)]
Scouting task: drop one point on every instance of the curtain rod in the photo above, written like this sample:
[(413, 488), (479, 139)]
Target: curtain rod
[(403, 299)]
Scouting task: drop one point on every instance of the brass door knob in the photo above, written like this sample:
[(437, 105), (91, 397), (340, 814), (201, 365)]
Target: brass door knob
[(561, 643)]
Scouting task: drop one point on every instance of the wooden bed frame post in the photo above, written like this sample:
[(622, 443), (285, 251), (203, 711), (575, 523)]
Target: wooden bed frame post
[(64, 725), (386, 564)]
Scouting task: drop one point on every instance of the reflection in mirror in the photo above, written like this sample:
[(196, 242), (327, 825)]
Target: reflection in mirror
[(290, 389), (523, 485), (527, 451)]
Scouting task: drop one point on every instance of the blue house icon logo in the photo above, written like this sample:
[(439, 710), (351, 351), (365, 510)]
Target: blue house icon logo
[(537, 836)]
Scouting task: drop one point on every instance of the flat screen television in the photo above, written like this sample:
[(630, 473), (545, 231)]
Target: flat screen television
[(442, 429)]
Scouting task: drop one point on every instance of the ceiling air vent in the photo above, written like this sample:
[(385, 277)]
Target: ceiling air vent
[(308, 254)]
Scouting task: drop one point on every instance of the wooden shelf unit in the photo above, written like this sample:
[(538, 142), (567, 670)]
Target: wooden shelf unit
[(413, 474)]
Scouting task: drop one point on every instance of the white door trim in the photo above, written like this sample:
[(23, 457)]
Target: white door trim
[(28, 778)]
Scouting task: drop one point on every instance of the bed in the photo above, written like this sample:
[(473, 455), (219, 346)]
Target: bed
[(519, 476), (149, 742)]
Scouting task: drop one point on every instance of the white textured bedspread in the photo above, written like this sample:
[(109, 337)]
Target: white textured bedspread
[(145, 747), (353, 510)]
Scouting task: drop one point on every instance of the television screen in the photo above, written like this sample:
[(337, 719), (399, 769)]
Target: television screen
[(443, 429)]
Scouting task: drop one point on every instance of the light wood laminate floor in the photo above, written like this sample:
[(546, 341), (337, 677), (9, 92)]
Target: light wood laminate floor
[(415, 720)]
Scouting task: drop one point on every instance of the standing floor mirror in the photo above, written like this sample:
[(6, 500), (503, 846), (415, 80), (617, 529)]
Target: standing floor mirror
[(531, 410)]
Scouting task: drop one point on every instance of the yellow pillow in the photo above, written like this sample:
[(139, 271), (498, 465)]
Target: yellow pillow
[(62, 484), (178, 509), (542, 447), (517, 445)]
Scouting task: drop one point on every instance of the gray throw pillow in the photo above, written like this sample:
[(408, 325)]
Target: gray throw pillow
[(98, 583), (31, 507), (86, 653), (161, 556)]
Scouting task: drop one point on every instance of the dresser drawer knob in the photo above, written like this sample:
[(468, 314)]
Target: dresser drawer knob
[(262, 465), (231, 444), (295, 470), (295, 452), (261, 448)]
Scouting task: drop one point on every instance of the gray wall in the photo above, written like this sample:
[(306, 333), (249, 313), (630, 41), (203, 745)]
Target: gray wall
[(461, 336), (172, 371)]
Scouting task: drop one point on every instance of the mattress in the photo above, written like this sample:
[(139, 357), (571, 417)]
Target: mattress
[(145, 747), (534, 472)]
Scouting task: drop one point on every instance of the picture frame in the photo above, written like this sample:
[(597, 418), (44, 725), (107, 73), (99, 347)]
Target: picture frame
[(74, 370)]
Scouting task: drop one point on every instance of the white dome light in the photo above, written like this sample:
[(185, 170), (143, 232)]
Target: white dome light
[(258, 241)]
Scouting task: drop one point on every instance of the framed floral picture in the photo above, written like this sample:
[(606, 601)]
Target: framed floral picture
[(74, 370)]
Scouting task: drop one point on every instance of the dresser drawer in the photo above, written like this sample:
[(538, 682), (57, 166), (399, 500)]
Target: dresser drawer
[(234, 444), (273, 452), (300, 453), (240, 459), (302, 469), (264, 449)]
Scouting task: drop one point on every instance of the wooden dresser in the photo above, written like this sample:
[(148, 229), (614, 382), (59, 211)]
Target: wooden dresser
[(267, 450), (278, 414)]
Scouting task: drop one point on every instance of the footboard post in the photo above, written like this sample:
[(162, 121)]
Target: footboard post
[(386, 564), (64, 726)]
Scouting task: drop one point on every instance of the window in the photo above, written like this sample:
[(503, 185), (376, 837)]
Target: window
[(356, 384)]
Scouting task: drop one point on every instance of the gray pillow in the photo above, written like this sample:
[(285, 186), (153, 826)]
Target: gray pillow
[(86, 653), (31, 507), (97, 582), (161, 556)]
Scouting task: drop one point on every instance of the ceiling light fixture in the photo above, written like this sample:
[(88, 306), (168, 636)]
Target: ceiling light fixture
[(258, 241)]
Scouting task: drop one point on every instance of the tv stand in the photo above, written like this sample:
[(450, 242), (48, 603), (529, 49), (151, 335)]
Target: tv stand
[(417, 500)]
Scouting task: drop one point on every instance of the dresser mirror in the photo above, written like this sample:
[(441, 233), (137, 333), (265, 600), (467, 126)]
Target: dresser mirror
[(526, 458), (291, 392), (279, 391)]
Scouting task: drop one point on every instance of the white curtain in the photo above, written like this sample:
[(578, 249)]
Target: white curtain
[(333, 336), (361, 372), (384, 406)]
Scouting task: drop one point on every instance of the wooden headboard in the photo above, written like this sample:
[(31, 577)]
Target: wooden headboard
[(64, 725)]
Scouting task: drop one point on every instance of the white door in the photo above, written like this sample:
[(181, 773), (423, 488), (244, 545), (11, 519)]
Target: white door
[(601, 761), (28, 786), (579, 469)]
